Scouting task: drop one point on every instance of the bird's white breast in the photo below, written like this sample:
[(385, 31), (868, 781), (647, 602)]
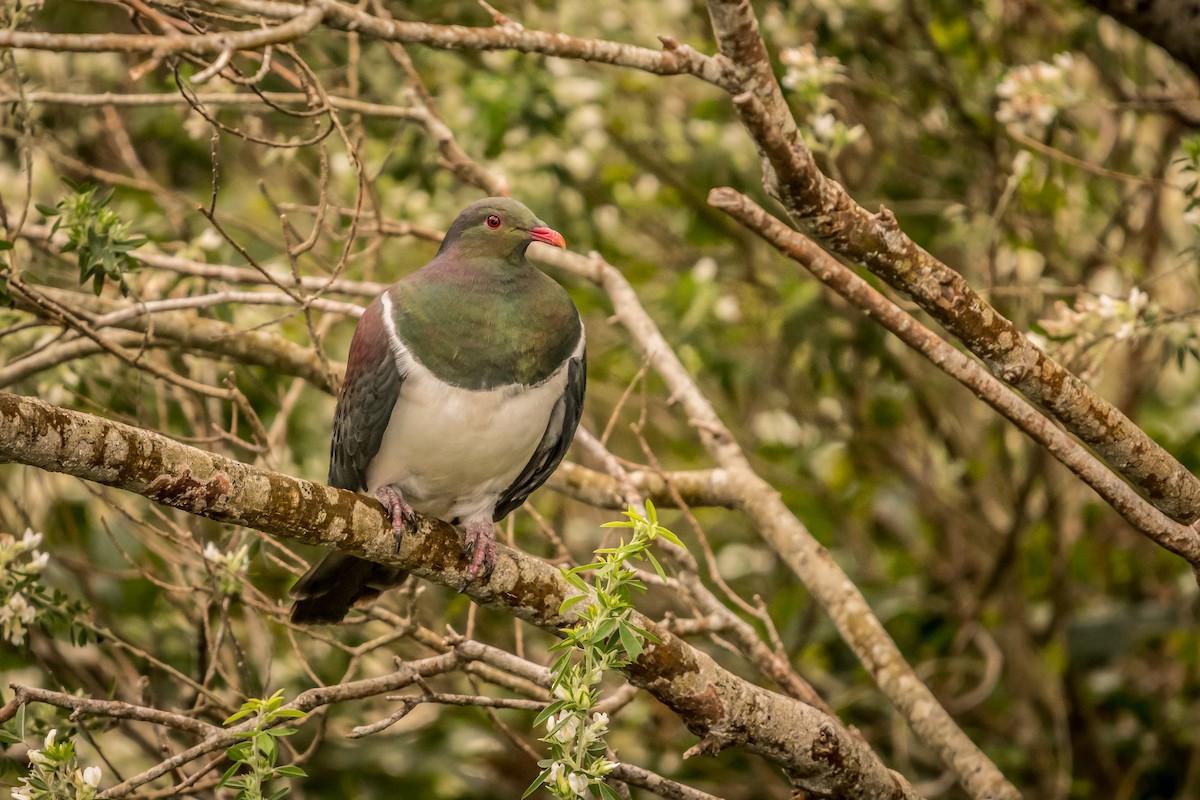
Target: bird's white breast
[(453, 451)]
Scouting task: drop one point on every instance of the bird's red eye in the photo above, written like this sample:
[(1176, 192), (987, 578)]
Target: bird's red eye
[(493, 221)]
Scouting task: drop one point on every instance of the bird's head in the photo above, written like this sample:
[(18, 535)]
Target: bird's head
[(498, 227)]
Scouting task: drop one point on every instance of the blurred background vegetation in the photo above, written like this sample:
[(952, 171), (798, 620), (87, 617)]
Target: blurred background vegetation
[(1041, 149)]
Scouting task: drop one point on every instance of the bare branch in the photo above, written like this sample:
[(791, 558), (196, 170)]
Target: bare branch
[(192, 332), (297, 25), (701, 487), (110, 708), (674, 59)]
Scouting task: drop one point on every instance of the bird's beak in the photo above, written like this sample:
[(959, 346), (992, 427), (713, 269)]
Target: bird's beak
[(548, 235)]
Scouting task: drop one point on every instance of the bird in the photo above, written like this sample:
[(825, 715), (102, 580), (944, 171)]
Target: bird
[(463, 389)]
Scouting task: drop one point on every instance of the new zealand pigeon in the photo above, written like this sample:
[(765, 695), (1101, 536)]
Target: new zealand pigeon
[(463, 390)]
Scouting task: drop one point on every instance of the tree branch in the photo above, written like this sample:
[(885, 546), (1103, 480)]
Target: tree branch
[(1179, 539), (821, 208), (1170, 24), (297, 25), (674, 59), (726, 711), (795, 545)]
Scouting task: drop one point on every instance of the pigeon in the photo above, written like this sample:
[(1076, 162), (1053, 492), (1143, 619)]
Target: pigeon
[(464, 386)]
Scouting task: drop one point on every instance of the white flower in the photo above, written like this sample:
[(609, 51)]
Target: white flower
[(19, 794), (567, 728), (15, 616), (31, 539), (1064, 61), (824, 126), (91, 776), (50, 737), (776, 427), (704, 270), (600, 718), (38, 757), (1106, 306), (727, 309), (212, 552), (578, 783), (38, 562)]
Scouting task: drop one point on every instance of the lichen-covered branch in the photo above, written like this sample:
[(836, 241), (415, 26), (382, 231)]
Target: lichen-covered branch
[(723, 709), (823, 209), (1180, 539)]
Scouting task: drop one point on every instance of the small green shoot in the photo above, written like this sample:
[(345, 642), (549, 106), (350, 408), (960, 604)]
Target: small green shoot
[(95, 233), (606, 639), (254, 767)]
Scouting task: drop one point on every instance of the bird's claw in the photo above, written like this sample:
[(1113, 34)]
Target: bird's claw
[(480, 549), (398, 509)]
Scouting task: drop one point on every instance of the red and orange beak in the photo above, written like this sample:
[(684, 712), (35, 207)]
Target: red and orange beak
[(547, 235)]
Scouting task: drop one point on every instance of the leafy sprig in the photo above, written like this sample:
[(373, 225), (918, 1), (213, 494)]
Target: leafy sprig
[(95, 233), (54, 771), (254, 758), (26, 602), (606, 639)]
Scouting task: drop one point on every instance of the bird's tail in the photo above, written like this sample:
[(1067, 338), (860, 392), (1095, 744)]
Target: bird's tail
[(338, 582)]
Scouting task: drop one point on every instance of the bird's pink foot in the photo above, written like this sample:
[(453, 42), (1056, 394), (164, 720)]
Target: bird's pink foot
[(480, 548), (399, 511)]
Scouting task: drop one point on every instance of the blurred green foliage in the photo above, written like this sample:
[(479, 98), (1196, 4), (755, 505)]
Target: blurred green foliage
[(1062, 641)]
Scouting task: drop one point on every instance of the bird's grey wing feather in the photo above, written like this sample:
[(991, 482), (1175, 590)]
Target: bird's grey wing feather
[(371, 388), (369, 393), (560, 430)]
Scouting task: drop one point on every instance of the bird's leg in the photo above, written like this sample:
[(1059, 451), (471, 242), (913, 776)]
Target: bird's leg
[(400, 512), (480, 548)]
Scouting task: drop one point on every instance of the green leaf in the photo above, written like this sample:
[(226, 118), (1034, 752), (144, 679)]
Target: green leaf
[(229, 773), (670, 537), (237, 715), (277, 732), (291, 771), (605, 628), (630, 641), (537, 783), (240, 751), (571, 601), (545, 713), (657, 566)]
